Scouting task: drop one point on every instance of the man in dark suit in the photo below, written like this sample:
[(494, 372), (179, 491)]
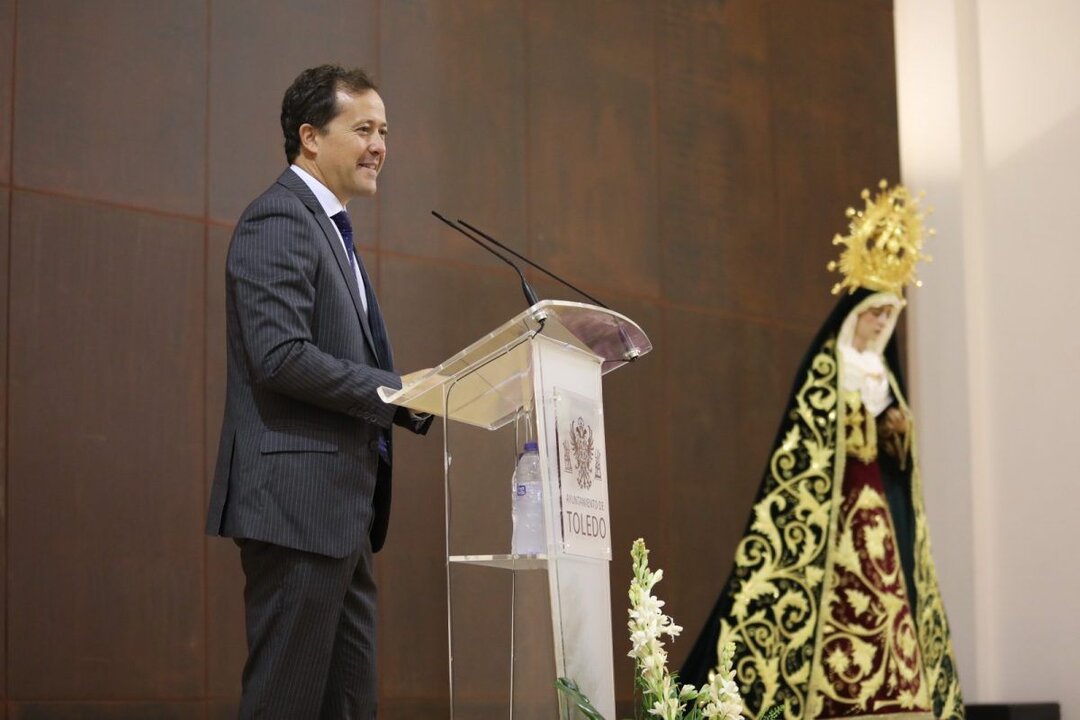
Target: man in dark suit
[(303, 473)]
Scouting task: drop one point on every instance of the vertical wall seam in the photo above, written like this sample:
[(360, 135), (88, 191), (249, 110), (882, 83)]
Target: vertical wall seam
[(526, 150), (205, 350), (666, 450), (7, 361), (378, 199)]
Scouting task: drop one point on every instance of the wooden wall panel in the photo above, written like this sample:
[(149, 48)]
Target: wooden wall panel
[(686, 161), (457, 117), (112, 101), (5, 210), (256, 50), (467, 300), (716, 164), (834, 117), (111, 710), (592, 143), (226, 644), (7, 55), (222, 709), (105, 476)]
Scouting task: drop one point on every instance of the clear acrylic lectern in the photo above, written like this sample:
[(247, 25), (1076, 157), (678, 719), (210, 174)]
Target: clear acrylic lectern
[(517, 622)]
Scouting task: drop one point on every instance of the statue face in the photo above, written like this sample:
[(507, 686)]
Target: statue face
[(871, 323)]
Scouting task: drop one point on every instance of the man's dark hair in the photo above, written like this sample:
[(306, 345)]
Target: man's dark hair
[(312, 98)]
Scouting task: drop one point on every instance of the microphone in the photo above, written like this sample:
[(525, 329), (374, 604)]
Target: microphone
[(632, 352), (544, 270), (530, 296)]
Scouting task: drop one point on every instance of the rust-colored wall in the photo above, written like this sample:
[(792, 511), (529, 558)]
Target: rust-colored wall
[(687, 161)]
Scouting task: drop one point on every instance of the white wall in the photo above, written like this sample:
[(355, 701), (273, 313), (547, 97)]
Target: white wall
[(989, 98)]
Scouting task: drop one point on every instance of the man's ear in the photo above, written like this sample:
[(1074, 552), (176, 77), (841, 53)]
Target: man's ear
[(309, 139)]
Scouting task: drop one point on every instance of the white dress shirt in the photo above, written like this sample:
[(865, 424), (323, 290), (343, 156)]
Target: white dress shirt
[(332, 206)]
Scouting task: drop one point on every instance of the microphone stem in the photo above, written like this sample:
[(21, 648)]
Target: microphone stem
[(530, 295), (536, 265)]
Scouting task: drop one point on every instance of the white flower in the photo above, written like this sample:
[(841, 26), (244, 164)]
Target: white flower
[(648, 625), (721, 692)]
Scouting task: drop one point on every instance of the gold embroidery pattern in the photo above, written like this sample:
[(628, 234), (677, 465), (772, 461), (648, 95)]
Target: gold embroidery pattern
[(934, 638), (869, 654), (776, 585), (860, 428)]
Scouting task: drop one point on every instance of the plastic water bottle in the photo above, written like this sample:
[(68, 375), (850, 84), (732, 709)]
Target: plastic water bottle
[(528, 504)]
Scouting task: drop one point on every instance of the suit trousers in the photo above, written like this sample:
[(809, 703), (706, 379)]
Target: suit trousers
[(311, 634)]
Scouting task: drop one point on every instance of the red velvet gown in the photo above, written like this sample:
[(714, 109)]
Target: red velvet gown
[(869, 662)]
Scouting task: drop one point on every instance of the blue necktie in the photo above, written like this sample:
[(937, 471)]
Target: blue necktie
[(375, 319), (344, 226)]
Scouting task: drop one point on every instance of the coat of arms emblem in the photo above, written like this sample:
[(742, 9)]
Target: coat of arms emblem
[(580, 453)]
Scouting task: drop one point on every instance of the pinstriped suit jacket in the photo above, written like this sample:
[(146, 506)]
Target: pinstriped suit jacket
[(298, 462)]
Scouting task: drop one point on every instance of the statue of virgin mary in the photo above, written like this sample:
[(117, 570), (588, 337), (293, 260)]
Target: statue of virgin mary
[(833, 600)]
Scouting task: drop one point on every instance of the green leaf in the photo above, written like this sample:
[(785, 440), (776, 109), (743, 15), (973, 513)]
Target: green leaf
[(773, 713), (570, 688)]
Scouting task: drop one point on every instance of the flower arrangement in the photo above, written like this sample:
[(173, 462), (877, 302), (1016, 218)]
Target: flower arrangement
[(660, 693)]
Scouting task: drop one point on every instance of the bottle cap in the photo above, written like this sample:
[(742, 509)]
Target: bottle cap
[(531, 447)]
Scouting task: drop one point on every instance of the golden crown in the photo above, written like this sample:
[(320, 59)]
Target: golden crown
[(883, 244)]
